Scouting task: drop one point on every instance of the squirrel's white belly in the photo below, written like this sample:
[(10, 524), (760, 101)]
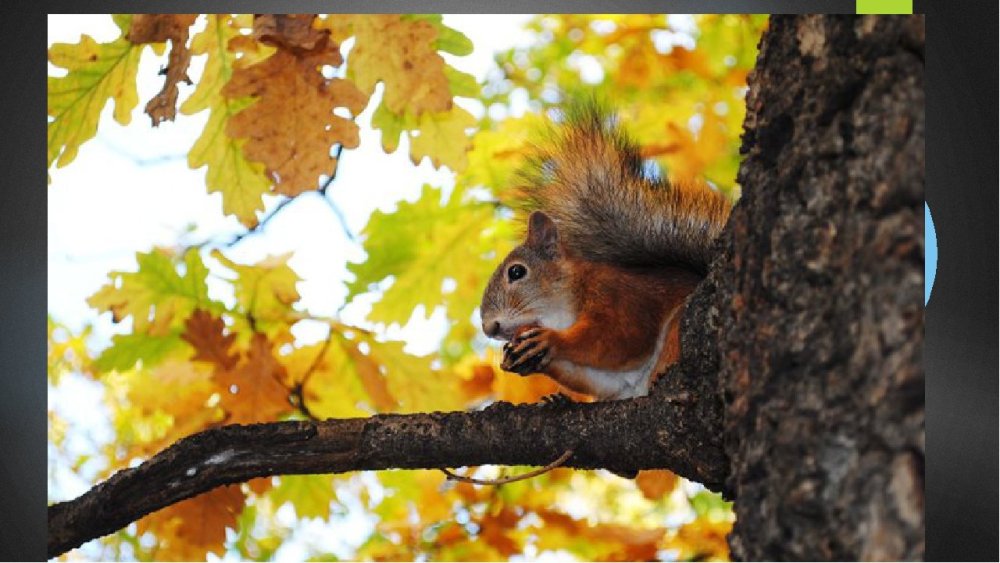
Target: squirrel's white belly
[(608, 385)]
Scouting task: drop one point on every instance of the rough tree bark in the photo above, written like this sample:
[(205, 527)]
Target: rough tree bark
[(819, 303), (800, 389), (668, 429)]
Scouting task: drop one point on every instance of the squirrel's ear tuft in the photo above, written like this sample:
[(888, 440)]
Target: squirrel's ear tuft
[(542, 234)]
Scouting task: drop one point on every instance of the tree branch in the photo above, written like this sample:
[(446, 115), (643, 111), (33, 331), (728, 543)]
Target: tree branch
[(663, 430)]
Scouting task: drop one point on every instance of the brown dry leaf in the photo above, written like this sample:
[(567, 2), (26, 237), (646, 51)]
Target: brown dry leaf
[(156, 28), (400, 53), (289, 31), (251, 391), (654, 483), (191, 528), (291, 127), (207, 335), (494, 527)]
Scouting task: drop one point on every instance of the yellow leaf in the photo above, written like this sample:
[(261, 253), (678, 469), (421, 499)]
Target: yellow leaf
[(265, 291), (309, 495), (402, 54), (414, 384), (330, 385), (166, 404), (241, 182), (97, 72), (443, 138)]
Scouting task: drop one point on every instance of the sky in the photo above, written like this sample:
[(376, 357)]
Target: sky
[(130, 189)]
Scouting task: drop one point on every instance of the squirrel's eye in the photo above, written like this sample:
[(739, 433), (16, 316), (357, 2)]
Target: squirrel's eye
[(516, 272)]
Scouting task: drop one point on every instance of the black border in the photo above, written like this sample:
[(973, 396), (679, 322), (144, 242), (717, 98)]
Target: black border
[(960, 353)]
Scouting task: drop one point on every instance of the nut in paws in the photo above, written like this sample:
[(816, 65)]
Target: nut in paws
[(529, 352)]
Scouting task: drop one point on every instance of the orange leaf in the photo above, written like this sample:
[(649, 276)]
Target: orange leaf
[(372, 379), (654, 483), (291, 127), (493, 530), (206, 334), (190, 529), (252, 392)]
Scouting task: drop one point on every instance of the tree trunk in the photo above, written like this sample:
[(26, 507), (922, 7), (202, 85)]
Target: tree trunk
[(818, 306)]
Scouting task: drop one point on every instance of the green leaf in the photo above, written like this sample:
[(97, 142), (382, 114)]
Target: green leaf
[(707, 504), (156, 296), (423, 244), (391, 125), (266, 290), (97, 72), (128, 349), (462, 84)]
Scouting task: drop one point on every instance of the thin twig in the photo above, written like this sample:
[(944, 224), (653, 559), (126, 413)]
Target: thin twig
[(562, 459), (270, 215), (333, 206)]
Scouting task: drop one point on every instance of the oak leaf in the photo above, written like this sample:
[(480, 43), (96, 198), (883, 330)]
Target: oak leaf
[(292, 125), (422, 245), (252, 391), (156, 296), (157, 28), (192, 528), (288, 31), (401, 53), (97, 72), (241, 182), (265, 291), (207, 335)]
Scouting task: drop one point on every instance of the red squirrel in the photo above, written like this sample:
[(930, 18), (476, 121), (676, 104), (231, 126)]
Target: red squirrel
[(594, 296)]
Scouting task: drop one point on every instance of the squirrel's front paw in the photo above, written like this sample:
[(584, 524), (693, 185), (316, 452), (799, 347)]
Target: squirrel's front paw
[(529, 352)]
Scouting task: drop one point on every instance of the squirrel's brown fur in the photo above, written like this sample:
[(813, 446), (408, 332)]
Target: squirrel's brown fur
[(588, 177), (594, 296)]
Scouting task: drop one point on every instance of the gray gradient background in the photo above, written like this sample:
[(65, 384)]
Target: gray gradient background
[(961, 357)]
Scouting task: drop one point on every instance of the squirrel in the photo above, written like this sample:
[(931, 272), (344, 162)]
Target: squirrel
[(594, 296)]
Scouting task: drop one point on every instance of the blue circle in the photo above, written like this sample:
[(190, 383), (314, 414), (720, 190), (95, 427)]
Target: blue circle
[(930, 253)]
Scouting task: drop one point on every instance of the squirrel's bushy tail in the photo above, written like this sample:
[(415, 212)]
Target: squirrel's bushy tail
[(588, 177)]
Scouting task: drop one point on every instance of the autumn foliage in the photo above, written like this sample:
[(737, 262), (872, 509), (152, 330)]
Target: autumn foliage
[(282, 96)]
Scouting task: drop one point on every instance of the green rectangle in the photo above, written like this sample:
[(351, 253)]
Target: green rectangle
[(884, 6)]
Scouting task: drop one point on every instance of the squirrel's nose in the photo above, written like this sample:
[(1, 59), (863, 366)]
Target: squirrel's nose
[(491, 328)]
